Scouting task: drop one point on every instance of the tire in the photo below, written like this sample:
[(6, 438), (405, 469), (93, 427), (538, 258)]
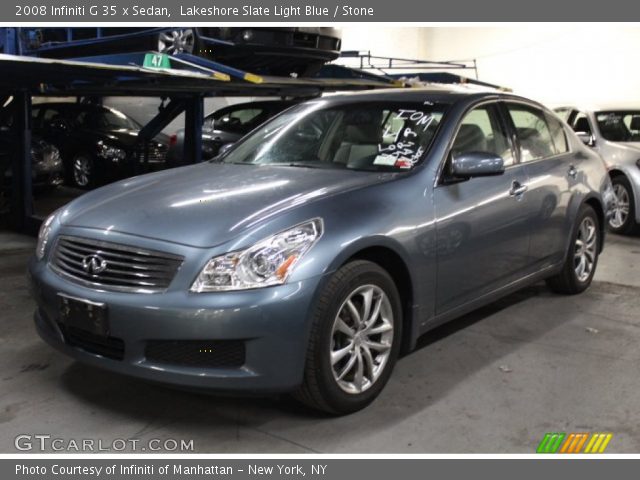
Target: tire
[(571, 279), (321, 388), (175, 41), (623, 221), (83, 171)]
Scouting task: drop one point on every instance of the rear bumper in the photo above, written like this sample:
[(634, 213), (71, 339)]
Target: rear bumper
[(271, 323)]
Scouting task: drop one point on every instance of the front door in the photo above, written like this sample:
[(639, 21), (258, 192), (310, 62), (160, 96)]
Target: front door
[(481, 223)]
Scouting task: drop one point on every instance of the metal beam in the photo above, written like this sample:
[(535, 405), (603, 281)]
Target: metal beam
[(193, 130), (21, 191), (166, 114)]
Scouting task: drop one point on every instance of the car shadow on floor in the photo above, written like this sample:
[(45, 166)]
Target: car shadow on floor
[(405, 395)]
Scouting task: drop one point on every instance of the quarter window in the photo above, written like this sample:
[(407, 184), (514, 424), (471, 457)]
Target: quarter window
[(558, 135), (533, 132)]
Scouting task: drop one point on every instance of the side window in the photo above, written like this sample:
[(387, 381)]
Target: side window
[(581, 124), (50, 114), (54, 118), (481, 131), (558, 135), (533, 132), (238, 120)]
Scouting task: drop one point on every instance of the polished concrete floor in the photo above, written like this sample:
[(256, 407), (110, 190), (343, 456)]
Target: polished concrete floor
[(494, 381)]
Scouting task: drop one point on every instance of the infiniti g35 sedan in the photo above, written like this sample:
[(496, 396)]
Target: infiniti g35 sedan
[(320, 246), (614, 133)]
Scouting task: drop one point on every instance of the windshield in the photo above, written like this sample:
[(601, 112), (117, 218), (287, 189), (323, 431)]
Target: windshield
[(619, 126), (373, 136)]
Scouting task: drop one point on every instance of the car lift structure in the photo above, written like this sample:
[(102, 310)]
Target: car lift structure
[(415, 71), (181, 81)]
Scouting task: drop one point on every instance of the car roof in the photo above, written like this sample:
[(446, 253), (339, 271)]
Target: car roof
[(268, 104), (605, 107), (70, 104), (444, 93), (85, 106)]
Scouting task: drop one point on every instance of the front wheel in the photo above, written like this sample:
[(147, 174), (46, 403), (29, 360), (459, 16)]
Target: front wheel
[(83, 171), (355, 339), (580, 266)]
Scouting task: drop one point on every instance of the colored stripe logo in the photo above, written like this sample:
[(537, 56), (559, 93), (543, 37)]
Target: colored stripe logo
[(560, 442)]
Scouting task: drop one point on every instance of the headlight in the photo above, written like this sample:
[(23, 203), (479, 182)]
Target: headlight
[(268, 262), (111, 152), (43, 235)]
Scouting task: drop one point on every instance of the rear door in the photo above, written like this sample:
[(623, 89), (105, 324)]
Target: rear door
[(544, 152), (481, 223)]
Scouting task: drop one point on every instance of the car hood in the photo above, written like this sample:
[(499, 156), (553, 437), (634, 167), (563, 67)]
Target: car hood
[(208, 204)]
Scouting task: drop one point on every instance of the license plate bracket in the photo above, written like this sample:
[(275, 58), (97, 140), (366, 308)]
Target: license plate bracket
[(84, 315)]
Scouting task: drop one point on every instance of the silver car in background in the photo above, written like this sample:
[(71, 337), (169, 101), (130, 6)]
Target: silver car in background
[(614, 133)]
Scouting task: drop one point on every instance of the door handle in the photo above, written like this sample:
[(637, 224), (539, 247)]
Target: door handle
[(572, 172), (517, 189)]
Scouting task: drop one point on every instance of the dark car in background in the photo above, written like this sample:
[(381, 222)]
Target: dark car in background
[(46, 163), (226, 126), (272, 51), (98, 144)]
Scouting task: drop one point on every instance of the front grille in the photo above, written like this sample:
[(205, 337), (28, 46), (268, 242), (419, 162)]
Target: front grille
[(111, 266), (157, 153), (110, 347), (197, 353)]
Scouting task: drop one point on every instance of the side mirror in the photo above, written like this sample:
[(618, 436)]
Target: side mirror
[(586, 138), (476, 164)]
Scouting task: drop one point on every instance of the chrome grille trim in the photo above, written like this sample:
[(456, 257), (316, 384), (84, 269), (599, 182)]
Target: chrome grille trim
[(128, 268)]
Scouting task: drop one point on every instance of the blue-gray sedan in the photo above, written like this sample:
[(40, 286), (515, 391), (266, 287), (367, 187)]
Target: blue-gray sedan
[(316, 249)]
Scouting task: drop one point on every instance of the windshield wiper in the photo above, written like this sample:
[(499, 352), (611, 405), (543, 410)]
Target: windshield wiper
[(305, 165)]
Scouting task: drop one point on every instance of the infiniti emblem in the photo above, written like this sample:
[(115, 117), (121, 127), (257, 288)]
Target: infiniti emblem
[(94, 264)]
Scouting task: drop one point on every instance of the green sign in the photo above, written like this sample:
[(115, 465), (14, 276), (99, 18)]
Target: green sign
[(156, 60)]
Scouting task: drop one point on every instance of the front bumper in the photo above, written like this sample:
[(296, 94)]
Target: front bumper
[(272, 323)]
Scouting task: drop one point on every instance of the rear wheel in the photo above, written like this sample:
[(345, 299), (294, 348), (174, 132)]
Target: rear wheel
[(355, 339), (582, 259), (624, 212)]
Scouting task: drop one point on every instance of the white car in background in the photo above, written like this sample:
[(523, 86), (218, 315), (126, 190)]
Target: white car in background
[(615, 134)]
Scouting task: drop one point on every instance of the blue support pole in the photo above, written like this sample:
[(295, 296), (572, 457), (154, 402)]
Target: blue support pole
[(21, 191)]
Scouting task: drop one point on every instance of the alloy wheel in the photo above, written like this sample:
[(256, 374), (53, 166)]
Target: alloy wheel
[(361, 339), (82, 171), (585, 249), (176, 41), (621, 207)]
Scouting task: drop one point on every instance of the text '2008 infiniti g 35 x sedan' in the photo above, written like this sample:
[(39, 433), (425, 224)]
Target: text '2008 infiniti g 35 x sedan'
[(321, 245)]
